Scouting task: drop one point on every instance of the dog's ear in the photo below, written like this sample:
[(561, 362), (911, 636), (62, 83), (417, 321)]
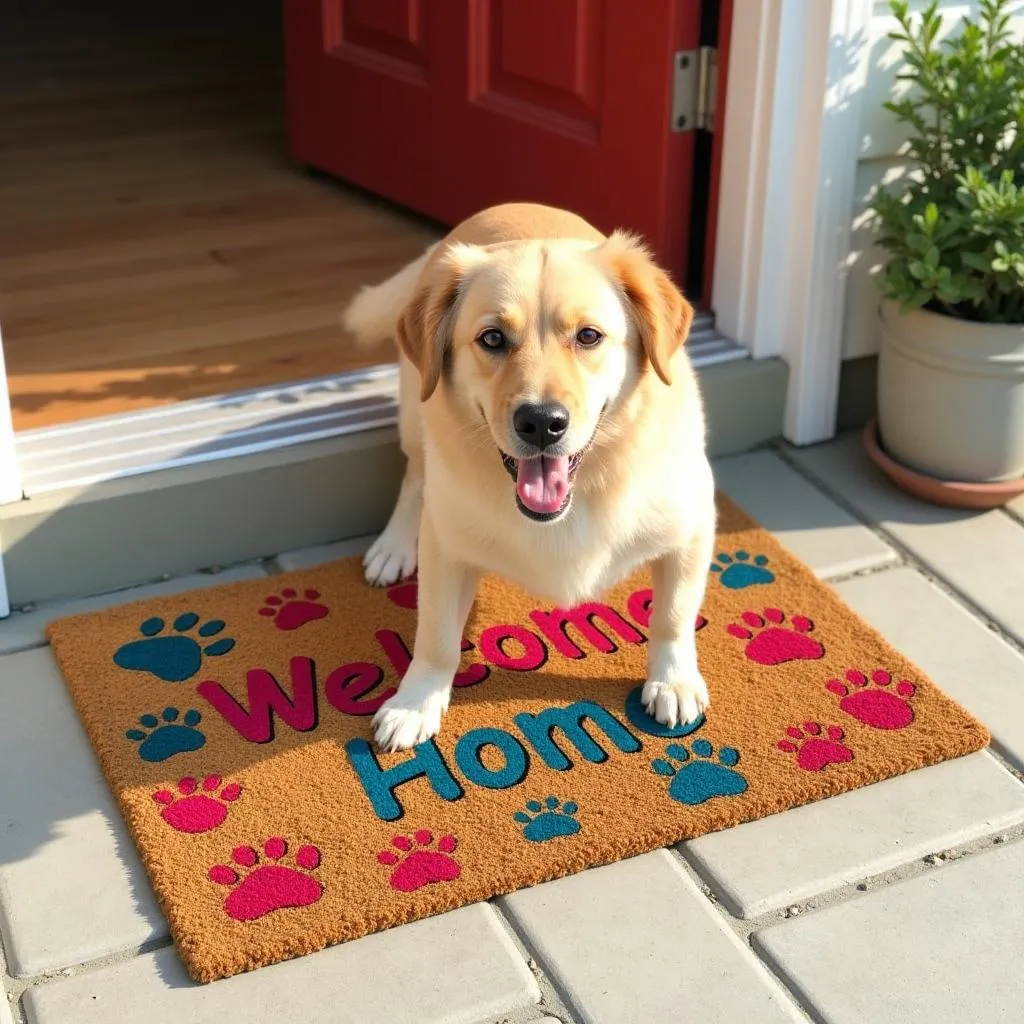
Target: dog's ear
[(661, 314), (424, 331)]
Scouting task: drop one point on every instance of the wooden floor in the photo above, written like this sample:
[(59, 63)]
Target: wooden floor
[(156, 243)]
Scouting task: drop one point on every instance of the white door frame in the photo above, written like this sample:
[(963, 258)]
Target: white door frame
[(10, 476), (797, 74)]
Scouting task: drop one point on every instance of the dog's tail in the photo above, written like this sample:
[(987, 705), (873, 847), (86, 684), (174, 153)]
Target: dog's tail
[(372, 315)]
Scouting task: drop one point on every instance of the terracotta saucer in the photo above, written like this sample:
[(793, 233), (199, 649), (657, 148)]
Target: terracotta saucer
[(951, 493)]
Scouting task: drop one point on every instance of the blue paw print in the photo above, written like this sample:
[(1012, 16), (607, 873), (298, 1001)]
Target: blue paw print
[(159, 740), (739, 571), (548, 820), (172, 658), (693, 782)]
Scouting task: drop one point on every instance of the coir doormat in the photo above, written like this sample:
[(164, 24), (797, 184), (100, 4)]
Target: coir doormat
[(233, 726)]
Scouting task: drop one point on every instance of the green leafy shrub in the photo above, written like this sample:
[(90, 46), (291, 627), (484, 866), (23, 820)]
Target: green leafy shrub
[(955, 230)]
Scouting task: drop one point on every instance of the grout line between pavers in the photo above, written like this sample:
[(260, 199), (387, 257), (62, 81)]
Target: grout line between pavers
[(1004, 759), (912, 560), (1013, 513), (19, 986), (554, 1001), (869, 570), (8, 989), (530, 1015), (33, 645)]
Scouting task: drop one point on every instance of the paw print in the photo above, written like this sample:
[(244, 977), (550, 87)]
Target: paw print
[(695, 781), (172, 658), (814, 747), (290, 611), (548, 820), (260, 889), (875, 701), (416, 866), (161, 738), (739, 571), (773, 643), (190, 811), (406, 594)]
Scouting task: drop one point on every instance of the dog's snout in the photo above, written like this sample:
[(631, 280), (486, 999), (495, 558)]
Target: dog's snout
[(541, 424)]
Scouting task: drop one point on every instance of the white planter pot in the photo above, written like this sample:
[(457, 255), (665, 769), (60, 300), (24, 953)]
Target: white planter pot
[(951, 395)]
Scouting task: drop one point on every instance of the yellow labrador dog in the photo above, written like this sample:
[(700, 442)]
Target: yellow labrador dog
[(554, 433)]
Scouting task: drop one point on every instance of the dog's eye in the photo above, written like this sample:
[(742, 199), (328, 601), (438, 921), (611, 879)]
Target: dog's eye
[(493, 340), (588, 337)]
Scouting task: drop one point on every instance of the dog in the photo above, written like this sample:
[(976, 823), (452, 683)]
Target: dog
[(554, 432)]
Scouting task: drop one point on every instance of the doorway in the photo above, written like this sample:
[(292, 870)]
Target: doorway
[(157, 242)]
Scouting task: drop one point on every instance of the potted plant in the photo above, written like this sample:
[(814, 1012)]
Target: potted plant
[(951, 362)]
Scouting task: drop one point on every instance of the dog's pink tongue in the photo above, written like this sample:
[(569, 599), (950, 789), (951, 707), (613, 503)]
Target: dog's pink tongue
[(543, 483)]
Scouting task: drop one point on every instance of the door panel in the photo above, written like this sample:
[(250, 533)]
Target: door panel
[(453, 105), (558, 74), (388, 28)]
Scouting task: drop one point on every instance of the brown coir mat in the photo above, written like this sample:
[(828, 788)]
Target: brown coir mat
[(233, 726)]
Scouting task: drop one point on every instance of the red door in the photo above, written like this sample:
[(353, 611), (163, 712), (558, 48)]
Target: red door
[(448, 106)]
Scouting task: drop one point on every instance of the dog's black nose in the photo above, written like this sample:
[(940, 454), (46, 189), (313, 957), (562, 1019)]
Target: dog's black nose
[(541, 423)]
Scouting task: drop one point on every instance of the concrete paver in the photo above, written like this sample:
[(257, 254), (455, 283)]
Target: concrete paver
[(636, 942), (976, 552), (819, 532), (941, 948), (72, 887), (457, 968)]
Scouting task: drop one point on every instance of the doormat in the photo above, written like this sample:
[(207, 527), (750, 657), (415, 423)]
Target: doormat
[(233, 726)]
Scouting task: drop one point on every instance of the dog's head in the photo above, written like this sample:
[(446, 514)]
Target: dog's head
[(541, 341)]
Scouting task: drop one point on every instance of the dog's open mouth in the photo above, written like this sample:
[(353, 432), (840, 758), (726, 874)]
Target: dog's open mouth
[(543, 483)]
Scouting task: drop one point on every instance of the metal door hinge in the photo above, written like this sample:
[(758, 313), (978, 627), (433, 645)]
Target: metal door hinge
[(694, 89)]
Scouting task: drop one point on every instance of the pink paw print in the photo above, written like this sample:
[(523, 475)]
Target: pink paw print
[(875, 701), (814, 747), (405, 594), (290, 611), (260, 889), (416, 866), (773, 643), (195, 812)]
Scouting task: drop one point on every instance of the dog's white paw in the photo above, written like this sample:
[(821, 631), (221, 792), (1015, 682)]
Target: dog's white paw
[(404, 721), (392, 556), (675, 704)]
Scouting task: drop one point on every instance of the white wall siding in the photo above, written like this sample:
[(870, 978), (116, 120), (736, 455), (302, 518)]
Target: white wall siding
[(880, 144)]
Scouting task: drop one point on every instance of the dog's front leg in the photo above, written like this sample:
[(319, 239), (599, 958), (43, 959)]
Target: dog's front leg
[(446, 591), (675, 692)]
